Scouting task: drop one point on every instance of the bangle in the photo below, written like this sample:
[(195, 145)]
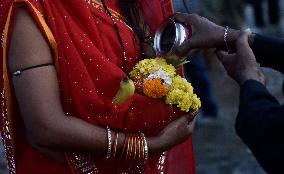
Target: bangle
[(138, 150), (145, 148), (109, 143), (141, 150), (134, 150), (132, 153), (226, 39), (126, 159), (130, 149), (115, 145), (123, 148), (136, 140)]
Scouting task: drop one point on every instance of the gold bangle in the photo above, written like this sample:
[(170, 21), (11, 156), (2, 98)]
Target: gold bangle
[(115, 145), (141, 161), (134, 149), (123, 148), (139, 150), (132, 152), (131, 148), (145, 148), (128, 148), (142, 151)]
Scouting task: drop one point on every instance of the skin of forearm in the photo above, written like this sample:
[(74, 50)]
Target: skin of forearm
[(73, 134)]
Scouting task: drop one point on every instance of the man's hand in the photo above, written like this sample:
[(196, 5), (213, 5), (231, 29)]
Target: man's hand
[(205, 34), (242, 65)]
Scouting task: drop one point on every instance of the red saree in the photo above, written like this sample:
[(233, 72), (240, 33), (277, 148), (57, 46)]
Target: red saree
[(89, 60)]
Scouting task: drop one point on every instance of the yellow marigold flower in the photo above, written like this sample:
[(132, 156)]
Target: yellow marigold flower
[(155, 88), (181, 94), (148, 66), (181, 83), (196, 103)]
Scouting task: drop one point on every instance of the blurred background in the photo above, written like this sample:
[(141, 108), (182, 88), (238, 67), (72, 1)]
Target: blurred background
[(217, 148)]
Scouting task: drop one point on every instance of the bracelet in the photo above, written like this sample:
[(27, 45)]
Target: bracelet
[(127, 148), (115, 145), (109, 143), (134, 150), (123, 148), (141, 150), (145, 148), (226, 39)]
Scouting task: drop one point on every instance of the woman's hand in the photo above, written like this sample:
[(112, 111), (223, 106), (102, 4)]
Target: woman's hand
[(173, 134)]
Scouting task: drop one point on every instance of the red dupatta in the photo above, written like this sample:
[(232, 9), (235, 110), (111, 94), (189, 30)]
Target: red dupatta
[(89, 64)]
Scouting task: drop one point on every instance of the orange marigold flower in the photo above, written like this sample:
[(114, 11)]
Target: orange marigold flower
[(155, 88)]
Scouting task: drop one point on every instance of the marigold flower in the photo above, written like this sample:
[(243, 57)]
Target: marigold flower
[(159, 79), (181, 94), (155, 88)]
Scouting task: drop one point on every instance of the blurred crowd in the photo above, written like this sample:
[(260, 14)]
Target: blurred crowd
[(265, 13)]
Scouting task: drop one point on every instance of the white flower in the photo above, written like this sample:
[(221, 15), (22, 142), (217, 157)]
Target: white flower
[(162, 75)]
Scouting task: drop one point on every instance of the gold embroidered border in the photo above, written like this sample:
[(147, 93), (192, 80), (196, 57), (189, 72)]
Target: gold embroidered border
[(97, 4), (7, 103), (5, 71)]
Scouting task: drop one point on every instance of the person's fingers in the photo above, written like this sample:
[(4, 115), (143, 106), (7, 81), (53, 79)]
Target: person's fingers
[(189, 47), (191, 125), (225, 58), (242, 44), (185, 18), (191, 115), (222, 55), (243, 49), (183, 49)]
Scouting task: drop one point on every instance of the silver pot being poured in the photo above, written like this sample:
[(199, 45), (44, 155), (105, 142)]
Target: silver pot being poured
[(170, 36)]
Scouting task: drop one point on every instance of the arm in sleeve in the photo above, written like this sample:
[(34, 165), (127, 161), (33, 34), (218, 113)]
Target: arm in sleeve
[(269, 52), (260, 124)]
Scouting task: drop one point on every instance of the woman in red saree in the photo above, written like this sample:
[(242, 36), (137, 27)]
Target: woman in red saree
[(63, 61)]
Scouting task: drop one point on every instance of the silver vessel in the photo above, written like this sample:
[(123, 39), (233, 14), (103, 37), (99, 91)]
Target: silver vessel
[(170, 36)]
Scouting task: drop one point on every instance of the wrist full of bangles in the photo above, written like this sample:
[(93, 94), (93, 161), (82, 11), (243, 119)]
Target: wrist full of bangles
[(134, 151)]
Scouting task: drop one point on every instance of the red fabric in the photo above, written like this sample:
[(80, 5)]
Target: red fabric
[(90, 60), (156, 11)]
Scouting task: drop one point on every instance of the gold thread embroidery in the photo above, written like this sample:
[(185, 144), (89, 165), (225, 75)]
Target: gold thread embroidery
[(116, 14), (7, 111)]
